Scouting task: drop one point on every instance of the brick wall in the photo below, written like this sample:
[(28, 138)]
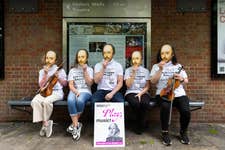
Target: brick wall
[(190, 33), (29, 35)]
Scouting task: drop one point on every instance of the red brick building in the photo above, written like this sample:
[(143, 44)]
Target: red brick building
[(28, 35)]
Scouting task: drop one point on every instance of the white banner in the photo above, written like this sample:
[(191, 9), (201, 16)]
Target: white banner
[(109, 128), (221, 37)]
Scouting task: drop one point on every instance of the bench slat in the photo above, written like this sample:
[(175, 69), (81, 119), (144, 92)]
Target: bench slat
[(22, 103), (196, 103)]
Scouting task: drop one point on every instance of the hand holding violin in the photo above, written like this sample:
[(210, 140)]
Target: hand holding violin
[(178, 77), (172, 84)]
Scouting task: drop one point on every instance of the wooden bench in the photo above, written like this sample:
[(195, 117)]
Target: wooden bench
[(23, 103)]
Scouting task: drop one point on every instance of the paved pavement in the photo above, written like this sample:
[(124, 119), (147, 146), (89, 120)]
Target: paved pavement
[(25, 136)]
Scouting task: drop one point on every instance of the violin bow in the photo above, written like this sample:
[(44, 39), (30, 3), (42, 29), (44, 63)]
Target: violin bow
[(171, 103)]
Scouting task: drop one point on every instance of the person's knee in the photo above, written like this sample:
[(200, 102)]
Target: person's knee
[(34, 101), (119, 100), (93, 96), (47, 103), (71, 96), (186, 113), (97, 99), (93, 99), (118, 97), (70, 100), (80, 102), (134, 103), (165, 106)]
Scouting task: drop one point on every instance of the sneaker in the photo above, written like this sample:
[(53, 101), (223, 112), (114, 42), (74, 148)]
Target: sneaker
[(184, 138), (42, 131), (79, 127), (70, 128), (138, 130), (49, 128), (166, 139), (74, 133)]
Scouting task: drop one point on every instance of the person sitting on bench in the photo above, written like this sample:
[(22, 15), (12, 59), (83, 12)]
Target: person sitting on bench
[(137, 82), (109, 77), (42, 103), (167, 68), (80, 80)]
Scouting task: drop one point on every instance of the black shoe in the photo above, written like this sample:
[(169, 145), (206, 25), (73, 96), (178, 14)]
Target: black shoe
[(166, 139), (184, 138), (138, 129)]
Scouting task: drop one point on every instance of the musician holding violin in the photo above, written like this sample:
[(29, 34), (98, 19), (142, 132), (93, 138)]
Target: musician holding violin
[(52, 78), (170, 78)]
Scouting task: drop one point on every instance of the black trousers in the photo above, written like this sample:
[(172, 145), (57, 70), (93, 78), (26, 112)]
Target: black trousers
[(139, 108), (182, 104)]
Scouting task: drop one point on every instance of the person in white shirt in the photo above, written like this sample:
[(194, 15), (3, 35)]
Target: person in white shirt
[(137, 82), (108, 75), (43, 105), (168, 68), (80, 80)]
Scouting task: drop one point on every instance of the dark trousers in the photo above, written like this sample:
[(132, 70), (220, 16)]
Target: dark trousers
[(182, 104), (139, 108)]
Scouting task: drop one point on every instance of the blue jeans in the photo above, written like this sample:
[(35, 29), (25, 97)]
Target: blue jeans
[(76, 104), (99, 96)]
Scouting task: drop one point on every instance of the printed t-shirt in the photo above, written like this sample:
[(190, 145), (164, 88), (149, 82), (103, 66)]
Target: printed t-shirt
[(77, 75), (140, 79), (168, 71), (109, 79)]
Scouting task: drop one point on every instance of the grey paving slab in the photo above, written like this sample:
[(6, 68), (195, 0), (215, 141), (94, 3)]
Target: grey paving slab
[(25, 136)]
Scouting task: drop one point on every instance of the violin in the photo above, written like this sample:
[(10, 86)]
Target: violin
[(167, 93), (48, 87)]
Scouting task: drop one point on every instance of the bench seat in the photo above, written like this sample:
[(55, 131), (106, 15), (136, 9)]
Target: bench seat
[(26, 102)]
